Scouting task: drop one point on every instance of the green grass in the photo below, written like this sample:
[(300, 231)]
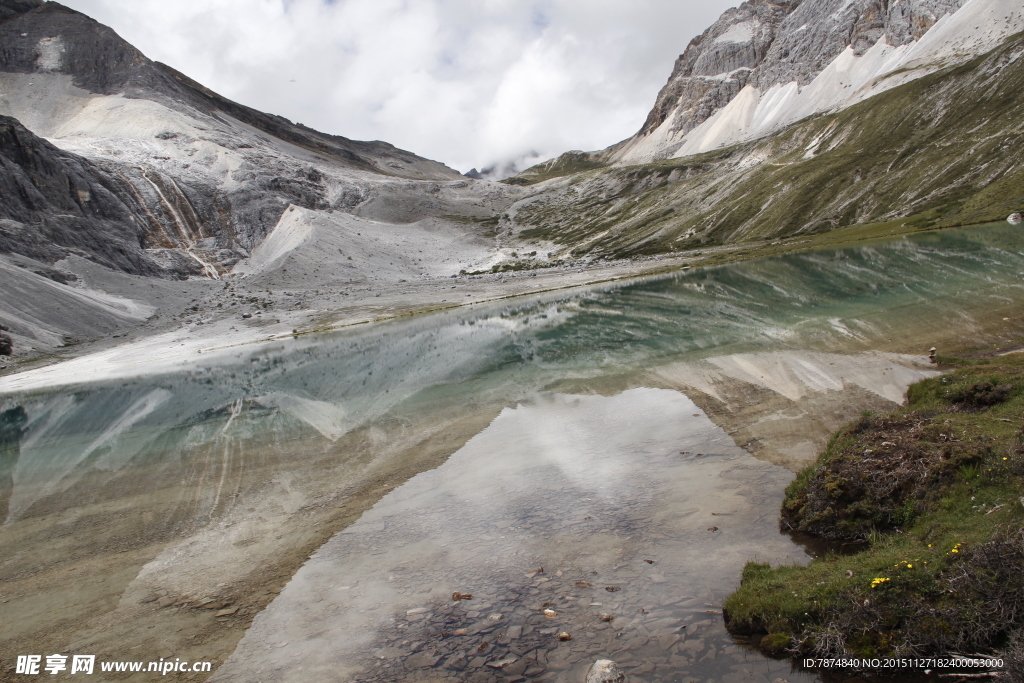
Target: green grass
[(934, 493)]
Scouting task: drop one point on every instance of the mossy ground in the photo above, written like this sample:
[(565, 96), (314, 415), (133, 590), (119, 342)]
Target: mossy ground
[(935, 492)]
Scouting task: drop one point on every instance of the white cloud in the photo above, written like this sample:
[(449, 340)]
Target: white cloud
[(466, 82)]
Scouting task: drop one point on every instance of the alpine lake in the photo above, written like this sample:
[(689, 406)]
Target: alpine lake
[(501, 492)]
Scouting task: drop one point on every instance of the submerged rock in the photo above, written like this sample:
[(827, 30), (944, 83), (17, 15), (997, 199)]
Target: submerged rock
[(605, 671)]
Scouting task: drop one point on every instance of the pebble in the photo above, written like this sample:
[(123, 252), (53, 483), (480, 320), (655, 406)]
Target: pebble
[(214, 604), (501, 663), (421, 660)]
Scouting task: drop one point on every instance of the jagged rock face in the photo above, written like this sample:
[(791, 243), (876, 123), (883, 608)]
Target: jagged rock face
[(53, 204), (768, 42), (717, 64)]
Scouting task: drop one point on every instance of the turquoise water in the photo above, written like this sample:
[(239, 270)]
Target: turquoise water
[(269, 431)]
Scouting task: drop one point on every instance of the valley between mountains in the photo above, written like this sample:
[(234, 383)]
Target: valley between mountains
[(139, 206), (315, 408)]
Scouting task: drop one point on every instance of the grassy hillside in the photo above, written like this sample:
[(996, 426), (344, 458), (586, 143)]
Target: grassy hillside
[(939, 151), (934, 494)]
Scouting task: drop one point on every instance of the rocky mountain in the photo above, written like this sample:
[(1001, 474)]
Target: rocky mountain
[(931, 153), (766, 44), (55, 203), (150, 172), (790, 118), (767, 64), (120, 176)]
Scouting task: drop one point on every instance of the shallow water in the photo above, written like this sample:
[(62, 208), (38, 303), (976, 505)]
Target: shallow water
[(632, 506), (132, 505)]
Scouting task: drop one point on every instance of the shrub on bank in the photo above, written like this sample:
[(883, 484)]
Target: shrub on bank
[(934, 495)]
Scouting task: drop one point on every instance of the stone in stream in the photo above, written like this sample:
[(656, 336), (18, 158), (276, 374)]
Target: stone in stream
[(605, 671), (1015, 219), (421, 660)]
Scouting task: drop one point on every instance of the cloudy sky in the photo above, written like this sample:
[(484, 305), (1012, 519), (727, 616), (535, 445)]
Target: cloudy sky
[(472, 83)]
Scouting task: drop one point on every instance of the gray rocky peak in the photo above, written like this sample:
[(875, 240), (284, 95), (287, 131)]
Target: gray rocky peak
[(768, 42)]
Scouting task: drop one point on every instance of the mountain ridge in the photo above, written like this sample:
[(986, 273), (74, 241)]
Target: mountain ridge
[(767, 64), (101, 62)]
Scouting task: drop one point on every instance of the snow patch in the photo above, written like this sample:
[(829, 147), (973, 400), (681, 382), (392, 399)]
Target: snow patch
[(742, 32), (724, 76), (51, 53)]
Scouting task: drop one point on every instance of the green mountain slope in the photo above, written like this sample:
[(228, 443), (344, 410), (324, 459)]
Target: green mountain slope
[(939, 151)]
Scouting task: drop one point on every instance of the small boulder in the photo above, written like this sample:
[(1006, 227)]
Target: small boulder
[(605, 671), (6, 345), (1015, 219)]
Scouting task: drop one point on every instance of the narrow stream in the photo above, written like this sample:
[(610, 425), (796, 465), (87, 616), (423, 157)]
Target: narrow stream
[(306, 510)]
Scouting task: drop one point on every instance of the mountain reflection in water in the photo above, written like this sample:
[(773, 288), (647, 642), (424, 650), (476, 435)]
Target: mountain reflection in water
[(134, 503)]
